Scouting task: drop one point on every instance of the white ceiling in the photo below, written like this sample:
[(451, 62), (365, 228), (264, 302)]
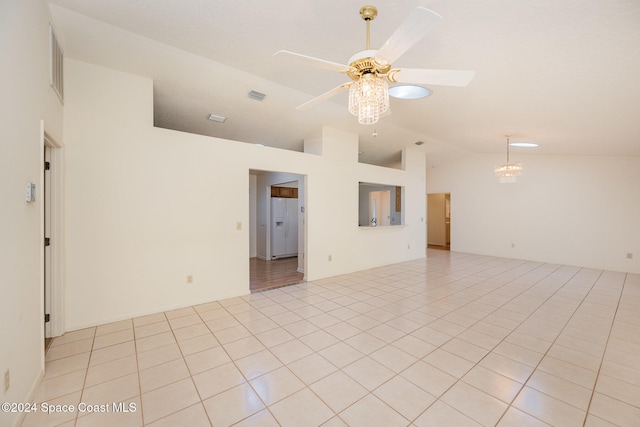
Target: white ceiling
[(563, 73)]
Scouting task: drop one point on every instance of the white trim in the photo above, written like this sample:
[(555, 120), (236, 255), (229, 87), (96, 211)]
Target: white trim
[(39, 189), (45, 195), (56, 310), (268, 225)]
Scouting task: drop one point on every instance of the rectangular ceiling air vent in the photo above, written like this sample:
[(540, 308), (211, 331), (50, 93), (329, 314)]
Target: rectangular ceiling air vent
[(215, 118), (256, 95), (56, 58)]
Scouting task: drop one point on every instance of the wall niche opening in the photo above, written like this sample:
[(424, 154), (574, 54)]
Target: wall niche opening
[(380, 205)]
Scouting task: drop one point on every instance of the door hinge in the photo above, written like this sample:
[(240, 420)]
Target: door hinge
[(47, 166), (47, 317), (47, 241)]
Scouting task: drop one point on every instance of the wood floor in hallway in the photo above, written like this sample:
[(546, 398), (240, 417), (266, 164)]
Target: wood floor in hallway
[(275, 273)]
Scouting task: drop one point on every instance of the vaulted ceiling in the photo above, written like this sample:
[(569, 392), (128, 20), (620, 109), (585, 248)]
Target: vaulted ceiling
[(563, 73)]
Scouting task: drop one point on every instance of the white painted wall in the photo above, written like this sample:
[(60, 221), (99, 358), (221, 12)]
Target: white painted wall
[(570, 210), (26, 100), (148, 206)]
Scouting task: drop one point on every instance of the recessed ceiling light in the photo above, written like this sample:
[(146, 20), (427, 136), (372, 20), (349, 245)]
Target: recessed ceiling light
[(524, 144), (259, 144), (409, 92), (216, 118)]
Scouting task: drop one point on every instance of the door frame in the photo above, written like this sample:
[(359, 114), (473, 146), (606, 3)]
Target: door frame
[(446, 209), (55, 286), (302, 223)]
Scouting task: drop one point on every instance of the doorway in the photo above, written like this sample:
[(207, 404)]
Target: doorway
[(439, 221), (277, 229)]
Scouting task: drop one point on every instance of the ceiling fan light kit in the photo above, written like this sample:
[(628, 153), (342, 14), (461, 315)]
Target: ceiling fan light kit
[(369, 98), (370, 69)]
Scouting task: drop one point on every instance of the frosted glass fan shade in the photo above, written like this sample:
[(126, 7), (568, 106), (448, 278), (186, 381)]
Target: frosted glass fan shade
[(409, 92)]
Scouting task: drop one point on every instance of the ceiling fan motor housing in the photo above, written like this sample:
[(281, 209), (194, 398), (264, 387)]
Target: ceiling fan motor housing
[(363, 62)]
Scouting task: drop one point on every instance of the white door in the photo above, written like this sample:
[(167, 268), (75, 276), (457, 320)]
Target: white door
[(291, 235)]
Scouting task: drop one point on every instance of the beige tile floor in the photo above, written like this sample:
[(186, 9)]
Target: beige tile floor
[(453, 340)]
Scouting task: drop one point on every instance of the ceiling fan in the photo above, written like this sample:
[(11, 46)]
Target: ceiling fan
[(370, 69)]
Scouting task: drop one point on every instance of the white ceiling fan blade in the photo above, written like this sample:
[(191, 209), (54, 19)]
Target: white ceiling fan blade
[(432, 77), (310, 60), (417, 24), (324, 96)]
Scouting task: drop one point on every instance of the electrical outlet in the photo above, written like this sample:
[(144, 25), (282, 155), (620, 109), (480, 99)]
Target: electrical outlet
[(7, 380), (629, 255), (408, 246), (189, 279), (238, 225), (513, 245), (330, 258)]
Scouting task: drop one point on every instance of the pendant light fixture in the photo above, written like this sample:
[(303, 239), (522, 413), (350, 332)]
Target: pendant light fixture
[(508, 171)]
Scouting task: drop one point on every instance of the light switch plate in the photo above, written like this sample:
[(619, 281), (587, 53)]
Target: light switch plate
[(31, 192)]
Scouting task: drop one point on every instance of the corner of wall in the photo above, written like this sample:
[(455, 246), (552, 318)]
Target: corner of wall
[(341, 146), (414, 161), (313, 146)]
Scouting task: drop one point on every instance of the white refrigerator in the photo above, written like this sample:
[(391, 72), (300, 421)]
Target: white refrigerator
[(284, 227)]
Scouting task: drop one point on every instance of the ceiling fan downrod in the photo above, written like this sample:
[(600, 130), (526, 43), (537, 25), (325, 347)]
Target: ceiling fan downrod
[(368, 13)]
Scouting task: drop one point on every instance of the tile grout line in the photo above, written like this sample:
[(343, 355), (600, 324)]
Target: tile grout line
[(246, 380), (613, 320), (491, 350), (371, 392), (551, 345)]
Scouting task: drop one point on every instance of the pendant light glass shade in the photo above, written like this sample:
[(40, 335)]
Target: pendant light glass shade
[(508, 171), (369, 98)]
